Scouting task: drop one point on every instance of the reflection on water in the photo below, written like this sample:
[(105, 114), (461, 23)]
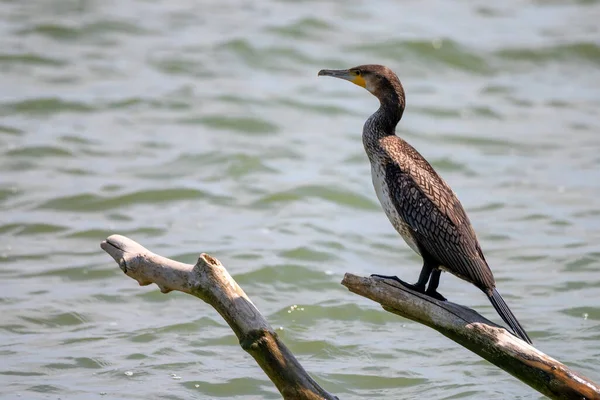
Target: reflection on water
[(202, 127)]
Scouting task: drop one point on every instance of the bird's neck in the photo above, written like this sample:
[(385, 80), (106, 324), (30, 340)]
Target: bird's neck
[(383, 122)]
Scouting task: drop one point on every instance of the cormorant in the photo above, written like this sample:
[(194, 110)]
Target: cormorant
[(417, 201)]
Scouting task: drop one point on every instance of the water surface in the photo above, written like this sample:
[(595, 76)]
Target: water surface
[(202, 126)]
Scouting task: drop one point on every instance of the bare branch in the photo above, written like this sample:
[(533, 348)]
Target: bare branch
[(484, 338), (210, 281)]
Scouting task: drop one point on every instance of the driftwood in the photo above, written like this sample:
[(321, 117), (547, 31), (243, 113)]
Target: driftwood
[(210, 281), (484, 338)]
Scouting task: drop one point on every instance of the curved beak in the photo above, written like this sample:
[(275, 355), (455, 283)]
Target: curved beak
[(336, 73)]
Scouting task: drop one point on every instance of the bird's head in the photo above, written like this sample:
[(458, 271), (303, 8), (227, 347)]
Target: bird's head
[(381, 81)]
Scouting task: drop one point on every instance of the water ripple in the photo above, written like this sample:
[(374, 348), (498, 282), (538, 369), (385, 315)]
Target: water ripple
[(30, 59), (43, 106), (90, 31), (31, 229), (335, 195), (305, 28), (377, 382), (282, 273), (443, 52), (39, 152), (273, 58), (94, 202), (10, 131), (256, 126), (231, 387), (57, 320), (571, 53)]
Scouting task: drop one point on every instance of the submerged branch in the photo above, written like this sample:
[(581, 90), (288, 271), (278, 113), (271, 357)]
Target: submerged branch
[(484, 338), (210, 281)]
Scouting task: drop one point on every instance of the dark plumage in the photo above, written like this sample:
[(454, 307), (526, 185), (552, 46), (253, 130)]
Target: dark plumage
[(417, 201)]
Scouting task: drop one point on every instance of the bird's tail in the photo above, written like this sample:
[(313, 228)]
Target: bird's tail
[(507, 315)]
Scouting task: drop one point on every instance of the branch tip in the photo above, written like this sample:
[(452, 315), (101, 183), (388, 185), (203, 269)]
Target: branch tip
[(164, 289), (208, 259)]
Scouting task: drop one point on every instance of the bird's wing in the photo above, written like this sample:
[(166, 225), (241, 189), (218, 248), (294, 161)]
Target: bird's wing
[(437, 219)]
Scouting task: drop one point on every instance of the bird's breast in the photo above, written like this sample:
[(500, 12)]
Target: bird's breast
[(383, 194)]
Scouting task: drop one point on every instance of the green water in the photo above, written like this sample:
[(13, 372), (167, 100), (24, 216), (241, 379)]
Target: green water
[(202, 126)]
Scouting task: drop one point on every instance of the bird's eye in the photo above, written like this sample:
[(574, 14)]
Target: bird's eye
[(357, 72)]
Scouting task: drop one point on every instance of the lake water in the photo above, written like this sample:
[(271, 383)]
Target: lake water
[(202, 126)]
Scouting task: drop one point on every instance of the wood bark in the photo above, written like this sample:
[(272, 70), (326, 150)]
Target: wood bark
[(210, 281)]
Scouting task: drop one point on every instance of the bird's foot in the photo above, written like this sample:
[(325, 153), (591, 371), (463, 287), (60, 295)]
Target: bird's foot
[(387, 277), (416, 288), (435, 294)]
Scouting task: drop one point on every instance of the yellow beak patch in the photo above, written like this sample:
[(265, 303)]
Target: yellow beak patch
[(360, 81)]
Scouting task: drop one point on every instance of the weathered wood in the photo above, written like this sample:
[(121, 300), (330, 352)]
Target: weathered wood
[(484, 338), (210, 281)]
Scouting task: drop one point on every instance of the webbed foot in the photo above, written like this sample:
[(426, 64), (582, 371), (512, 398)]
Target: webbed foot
[(435, 294), (416, 287)]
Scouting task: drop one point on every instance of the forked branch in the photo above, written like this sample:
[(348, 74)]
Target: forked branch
[(210, 281)]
